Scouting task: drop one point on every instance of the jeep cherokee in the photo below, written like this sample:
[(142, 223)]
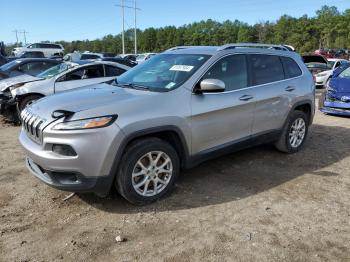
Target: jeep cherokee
[(179, 108)]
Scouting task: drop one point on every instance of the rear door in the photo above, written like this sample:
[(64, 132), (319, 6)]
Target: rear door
[(222, 118), (83, 76), (272, 90)]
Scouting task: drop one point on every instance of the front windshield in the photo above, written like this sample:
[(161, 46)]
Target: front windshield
[(52, 71), (141, 57), (345, 73), (9, 65), (317, 65), (331, 64), (163, 72)]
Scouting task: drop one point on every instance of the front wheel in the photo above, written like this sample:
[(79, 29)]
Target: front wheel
[(148, 171), (294, 133), (26, 101)]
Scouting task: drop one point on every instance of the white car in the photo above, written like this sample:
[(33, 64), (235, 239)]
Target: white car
[(48, 49), (143, 57), (322, 77), (79, 76)]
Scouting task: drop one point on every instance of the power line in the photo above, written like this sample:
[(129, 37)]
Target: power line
[(16, 32), (24, 32), (135, 8)]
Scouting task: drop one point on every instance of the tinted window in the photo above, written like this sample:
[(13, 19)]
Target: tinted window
[(232, 70), (113, 71), (88, 56), (291, 68), (266, 69), (94, 71), (75, 75), (32, 67), (33, 55), (85, 73)]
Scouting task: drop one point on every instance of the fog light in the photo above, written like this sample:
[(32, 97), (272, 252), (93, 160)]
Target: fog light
[(64, 150)]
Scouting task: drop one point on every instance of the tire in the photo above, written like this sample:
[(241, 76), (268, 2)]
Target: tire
[(147, 174), (27, 101), (284, 144), (321, 100)]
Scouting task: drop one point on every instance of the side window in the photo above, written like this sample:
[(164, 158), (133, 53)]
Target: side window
[(232, 70), (75, 75), (42, 45), (94, 72), (31, 67), (337, 64), (113, 71), (85, 73), (266, 69), (291, 68)]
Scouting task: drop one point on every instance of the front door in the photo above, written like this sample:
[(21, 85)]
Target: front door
[(222, 118)]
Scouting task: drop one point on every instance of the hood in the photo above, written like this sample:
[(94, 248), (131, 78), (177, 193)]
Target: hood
[(22, 79), (314, 59), (340, 85), (101, 98)]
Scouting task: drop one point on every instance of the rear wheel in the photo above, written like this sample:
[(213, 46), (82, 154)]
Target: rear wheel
[(294, 133), (148, 171)]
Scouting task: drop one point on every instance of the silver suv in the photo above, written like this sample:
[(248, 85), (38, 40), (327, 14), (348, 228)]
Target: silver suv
[(179, 108)]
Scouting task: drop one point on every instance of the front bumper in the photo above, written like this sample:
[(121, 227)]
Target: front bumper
[(90, 170), (320, 80), (336, 108)]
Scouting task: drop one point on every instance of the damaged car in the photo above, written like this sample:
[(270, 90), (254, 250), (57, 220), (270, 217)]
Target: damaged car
[(21, 95), (26, 66), (336, 98)]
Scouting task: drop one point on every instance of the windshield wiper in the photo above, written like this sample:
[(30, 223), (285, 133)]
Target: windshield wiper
[(134, 86)]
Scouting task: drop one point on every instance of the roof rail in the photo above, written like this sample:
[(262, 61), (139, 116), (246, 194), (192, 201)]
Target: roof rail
[(177, 48), (253, 45)]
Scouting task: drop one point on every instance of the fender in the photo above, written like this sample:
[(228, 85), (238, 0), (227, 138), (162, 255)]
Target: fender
[(147, 132)]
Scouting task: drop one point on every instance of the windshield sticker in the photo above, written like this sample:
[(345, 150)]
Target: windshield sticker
[(182, 68), (170, 85)]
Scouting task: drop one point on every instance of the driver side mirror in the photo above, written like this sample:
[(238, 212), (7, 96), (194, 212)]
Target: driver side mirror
[(211, 86)]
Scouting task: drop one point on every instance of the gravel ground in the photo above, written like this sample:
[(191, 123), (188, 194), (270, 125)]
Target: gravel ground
[(254, 205)]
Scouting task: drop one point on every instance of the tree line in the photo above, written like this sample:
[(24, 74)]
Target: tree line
[(329, 28)]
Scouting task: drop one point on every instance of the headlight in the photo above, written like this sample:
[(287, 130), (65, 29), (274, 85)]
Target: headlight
[(321, 74), (329, 88), (97, 122), (16, 86)]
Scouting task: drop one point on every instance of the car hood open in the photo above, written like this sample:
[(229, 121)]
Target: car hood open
[(314, 59)]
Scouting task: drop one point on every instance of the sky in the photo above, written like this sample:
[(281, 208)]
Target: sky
[(90, 19)]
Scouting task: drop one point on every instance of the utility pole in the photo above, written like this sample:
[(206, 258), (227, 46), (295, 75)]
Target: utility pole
[(24, 32), (135, 29), (123, 6), (16, 31)]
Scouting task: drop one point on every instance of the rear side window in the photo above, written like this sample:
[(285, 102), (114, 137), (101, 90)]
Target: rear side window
[(291, 68), (266, 69), (232, 70), (113, 71)]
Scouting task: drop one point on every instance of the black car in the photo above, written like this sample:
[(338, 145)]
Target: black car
[(29, 66), (119, 60), (28, 54)]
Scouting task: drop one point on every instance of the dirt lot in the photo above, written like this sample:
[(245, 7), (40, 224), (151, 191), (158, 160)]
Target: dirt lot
[(255, 205)]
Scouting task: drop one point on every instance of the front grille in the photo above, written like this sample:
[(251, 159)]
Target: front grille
[(33, 125)]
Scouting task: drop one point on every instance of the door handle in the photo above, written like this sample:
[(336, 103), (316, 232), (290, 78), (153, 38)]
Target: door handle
[(290, 88), (246, 97)]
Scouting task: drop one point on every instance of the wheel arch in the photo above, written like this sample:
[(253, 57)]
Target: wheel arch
[(306, 107)]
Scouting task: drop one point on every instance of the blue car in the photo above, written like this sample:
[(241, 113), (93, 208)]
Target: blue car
[(336, 99)]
